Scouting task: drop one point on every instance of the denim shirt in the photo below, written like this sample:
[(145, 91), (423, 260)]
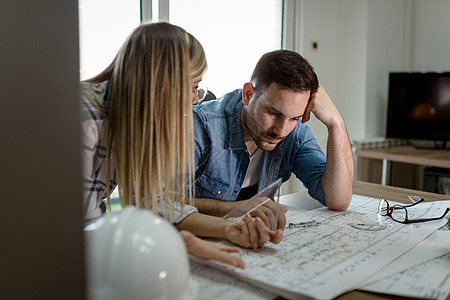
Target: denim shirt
[(221, 156)]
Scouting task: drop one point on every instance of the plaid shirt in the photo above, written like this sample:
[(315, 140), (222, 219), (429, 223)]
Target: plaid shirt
[(94, 142)]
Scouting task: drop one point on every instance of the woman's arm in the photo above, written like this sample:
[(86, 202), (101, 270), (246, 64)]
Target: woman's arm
[(250, 233), (206, 250)]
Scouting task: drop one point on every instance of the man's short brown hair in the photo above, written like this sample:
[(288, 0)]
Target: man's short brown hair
[(286, 68)]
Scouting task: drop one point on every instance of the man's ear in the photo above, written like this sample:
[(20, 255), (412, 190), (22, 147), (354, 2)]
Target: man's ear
[(247, 92)]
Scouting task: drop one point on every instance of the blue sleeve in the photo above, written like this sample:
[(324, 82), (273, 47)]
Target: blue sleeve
[(202, 141), (309, 162)]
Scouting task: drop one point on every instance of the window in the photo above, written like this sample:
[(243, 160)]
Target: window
[(234, 34), (104, 26)]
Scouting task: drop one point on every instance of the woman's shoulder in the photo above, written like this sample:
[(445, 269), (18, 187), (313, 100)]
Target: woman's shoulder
[(95, 98)]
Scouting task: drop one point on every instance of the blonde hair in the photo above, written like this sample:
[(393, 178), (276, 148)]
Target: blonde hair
[(197, 57), (150, 127)]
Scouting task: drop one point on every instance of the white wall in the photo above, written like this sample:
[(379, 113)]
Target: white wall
[(351, 60), (431, 35), (384, 53), (318, 23), (360, 42)]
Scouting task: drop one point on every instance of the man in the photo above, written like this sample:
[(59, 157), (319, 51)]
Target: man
[(247, 139)]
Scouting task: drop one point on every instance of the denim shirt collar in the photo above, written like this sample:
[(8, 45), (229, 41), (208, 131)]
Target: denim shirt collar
[(233, 115)]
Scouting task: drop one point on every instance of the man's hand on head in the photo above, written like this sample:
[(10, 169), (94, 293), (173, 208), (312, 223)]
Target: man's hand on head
[(323, 108)]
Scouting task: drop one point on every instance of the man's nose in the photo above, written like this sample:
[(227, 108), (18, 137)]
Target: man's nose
[(281, 127)]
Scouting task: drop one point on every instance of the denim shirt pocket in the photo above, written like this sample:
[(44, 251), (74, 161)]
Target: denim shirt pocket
[(208, 186)]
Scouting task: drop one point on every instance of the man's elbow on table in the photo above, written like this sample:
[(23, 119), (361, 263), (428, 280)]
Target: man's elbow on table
[(338, 203), (339, 206)]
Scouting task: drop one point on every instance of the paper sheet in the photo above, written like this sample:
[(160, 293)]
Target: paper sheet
[(217, 285), (429, 280), (328, 260), (422, 272)]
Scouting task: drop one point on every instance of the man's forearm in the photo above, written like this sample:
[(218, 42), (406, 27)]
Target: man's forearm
[(214, 207), (338, 177)]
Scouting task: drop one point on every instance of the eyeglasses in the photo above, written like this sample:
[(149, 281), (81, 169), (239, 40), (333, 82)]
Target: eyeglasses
[(199, 94), (399, 213)]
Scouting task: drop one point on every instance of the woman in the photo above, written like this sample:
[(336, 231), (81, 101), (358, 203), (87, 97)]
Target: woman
[(138, 134)]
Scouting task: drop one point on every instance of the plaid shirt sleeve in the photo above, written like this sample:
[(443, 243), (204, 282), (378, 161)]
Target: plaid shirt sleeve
[(93, 130)]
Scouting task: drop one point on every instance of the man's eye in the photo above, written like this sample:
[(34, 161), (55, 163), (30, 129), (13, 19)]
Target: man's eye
[(274, 113)]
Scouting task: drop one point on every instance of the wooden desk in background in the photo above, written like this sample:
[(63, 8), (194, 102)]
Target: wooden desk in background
[(405, 154), (393, 193)]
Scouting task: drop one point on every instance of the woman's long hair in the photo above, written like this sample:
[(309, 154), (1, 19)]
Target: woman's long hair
[(150, 127)]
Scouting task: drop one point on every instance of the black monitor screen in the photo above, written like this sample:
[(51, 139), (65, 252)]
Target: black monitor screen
[(419, 106)]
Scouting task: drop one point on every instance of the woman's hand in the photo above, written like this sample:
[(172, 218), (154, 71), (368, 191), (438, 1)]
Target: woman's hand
[(206, 250), (252, 233)]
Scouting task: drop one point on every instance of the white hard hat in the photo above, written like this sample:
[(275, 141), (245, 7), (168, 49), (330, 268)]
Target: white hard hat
[(133, 254)]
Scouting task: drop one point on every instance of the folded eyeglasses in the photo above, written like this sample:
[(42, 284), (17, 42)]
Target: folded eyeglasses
[(399, 213)]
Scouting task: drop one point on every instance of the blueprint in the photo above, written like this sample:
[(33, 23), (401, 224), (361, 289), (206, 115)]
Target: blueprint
[(429, 280), (327, 260), (422, 272), (214, 284)]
